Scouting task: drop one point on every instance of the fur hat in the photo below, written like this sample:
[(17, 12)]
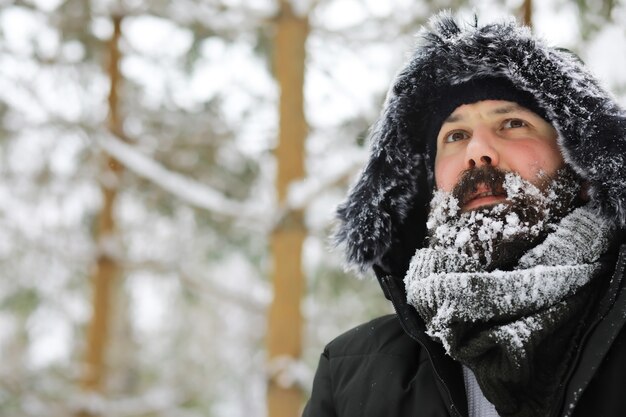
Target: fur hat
[(382, 222)]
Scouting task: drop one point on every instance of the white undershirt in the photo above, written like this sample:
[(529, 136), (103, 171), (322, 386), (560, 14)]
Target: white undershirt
[(477, 404)]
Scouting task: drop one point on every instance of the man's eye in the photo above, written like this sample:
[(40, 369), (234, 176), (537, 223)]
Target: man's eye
[(514, 123), (455, 136)]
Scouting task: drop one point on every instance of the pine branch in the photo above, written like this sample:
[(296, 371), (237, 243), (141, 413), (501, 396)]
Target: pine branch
[(192, 192)]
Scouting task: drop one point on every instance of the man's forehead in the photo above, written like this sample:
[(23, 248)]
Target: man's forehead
[(491, 107)]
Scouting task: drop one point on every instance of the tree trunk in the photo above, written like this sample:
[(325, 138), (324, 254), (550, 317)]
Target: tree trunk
[(527, 13), (284, 339), (107, 269)]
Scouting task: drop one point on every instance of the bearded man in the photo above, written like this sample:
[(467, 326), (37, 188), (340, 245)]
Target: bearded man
[(492, 211)]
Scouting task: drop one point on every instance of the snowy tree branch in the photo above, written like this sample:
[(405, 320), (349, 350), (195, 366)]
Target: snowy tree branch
[(152, 402), (289, 372), (204, 197), (254, 299), (188, 190), (302, 193)]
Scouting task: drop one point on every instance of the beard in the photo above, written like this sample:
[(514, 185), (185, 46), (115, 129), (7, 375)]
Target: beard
[(497, 236)]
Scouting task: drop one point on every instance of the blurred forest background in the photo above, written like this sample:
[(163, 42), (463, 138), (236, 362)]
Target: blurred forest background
[(169, 172)]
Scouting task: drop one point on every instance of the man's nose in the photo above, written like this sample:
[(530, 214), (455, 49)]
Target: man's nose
[(481, 149)]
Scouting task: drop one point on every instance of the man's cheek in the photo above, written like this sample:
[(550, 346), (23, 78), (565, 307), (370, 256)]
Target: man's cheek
[(446, 176)]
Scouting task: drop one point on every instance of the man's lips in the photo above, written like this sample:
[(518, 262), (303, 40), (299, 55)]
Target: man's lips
[(483, 196)]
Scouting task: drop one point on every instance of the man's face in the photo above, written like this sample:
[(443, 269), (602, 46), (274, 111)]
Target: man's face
[(499, 133)]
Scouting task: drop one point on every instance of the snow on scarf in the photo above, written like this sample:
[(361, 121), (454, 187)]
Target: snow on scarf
[(496, 322)]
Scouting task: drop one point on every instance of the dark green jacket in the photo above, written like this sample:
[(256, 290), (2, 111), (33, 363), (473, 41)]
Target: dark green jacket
[(390, 368)]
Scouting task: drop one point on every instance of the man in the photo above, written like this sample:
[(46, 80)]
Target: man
[(492, 211)]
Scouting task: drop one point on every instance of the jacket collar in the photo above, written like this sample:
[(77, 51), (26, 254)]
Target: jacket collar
[(448, 373)]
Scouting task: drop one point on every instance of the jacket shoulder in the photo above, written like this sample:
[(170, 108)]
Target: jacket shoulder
[(382, 335), (374, 370)]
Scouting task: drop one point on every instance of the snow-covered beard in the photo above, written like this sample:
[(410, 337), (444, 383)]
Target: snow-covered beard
[(496, 236)]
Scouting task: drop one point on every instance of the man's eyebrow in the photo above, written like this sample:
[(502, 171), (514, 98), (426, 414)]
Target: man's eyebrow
[(509, 108)]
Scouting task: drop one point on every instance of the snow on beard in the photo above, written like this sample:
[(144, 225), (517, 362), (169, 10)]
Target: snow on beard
[(497, 235)]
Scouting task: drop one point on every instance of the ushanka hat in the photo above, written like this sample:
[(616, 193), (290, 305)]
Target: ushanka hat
[(382, 221)]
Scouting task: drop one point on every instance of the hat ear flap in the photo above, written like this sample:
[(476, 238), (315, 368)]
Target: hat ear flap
[(383, 197), (410, 233), (606, 175)]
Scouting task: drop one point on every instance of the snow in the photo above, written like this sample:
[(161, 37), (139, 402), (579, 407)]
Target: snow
[(463, 237), (288, 372), (185, 188), (147, 34), (51, 334), (101, 27), (342, 14), (302, 7), (301, 193), (20, 28)]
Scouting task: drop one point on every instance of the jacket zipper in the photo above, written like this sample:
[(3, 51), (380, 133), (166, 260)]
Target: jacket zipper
[(391, 285)]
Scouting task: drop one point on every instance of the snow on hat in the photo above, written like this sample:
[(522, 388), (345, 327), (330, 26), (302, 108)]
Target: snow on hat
[(382, 221)]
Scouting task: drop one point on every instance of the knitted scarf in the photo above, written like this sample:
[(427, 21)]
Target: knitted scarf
[(513, 329)]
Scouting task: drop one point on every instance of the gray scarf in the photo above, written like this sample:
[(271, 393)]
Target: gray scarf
[(497, 322)]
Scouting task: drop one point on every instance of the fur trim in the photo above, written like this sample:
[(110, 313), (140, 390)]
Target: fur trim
[(382, 220)]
